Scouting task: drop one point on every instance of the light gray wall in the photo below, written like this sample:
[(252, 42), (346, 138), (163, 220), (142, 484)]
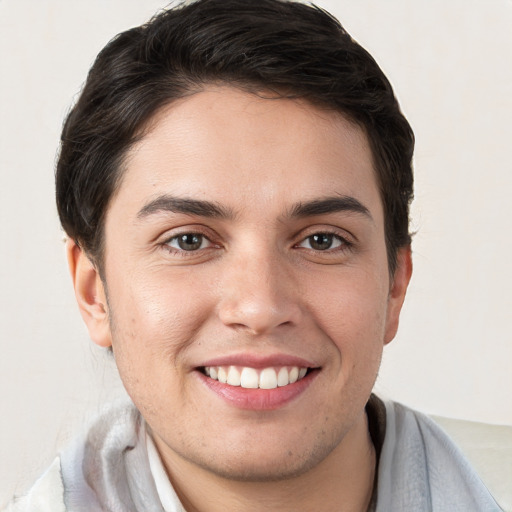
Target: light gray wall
[(450, 65)]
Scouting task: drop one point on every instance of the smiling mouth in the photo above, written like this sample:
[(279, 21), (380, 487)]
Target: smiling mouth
[(252, 378)]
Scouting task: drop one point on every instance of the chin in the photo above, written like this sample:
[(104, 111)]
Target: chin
[(283, 460), (273, 471)]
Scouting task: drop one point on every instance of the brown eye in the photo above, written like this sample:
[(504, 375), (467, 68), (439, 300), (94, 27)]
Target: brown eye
[(322, 242), (188, 242)]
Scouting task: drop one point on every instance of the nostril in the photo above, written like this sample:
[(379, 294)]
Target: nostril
[(258, 317)]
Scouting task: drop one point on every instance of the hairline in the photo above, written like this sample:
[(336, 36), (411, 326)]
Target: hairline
[(259, 90)]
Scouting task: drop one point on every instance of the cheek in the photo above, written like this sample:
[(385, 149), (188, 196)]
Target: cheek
[(351, 310), (153, 321), (162, 307)]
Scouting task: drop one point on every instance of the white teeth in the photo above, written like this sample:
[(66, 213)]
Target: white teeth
[(268, 379), (233, 376), (222, 375), (250, 378), (282, 377)]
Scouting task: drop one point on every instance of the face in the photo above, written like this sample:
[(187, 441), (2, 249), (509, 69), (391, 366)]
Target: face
[(248, 296)]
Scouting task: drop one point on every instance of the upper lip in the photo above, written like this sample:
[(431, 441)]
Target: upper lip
[(259, 361)]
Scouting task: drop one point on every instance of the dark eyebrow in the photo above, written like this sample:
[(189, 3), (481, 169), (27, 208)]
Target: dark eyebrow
[(329, 205), (166, 203)]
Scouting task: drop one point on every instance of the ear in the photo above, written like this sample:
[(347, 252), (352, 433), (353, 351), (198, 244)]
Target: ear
[(90, 294), (399, 284)]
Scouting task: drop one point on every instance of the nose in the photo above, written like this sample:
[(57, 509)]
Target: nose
[(259, 293)]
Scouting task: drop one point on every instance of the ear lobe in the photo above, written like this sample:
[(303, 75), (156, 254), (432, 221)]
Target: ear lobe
[(397, 292), (90, 294)]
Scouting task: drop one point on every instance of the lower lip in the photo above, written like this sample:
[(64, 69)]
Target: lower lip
[(259, 399)]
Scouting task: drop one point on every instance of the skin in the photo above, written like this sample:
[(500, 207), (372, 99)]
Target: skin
[(257, 286)]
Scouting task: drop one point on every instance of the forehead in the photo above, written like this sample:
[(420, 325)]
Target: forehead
[(245, 149)]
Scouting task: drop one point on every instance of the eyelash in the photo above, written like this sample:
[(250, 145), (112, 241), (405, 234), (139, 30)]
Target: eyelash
[(184, 252), (343, 244)]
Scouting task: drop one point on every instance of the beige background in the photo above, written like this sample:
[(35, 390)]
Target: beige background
[(450, 63)]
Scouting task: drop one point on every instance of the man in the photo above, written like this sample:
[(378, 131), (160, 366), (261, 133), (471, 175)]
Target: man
[(235, 182)]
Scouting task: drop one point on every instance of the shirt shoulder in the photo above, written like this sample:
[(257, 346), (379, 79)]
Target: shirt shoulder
[(421, 468), (46, 495)]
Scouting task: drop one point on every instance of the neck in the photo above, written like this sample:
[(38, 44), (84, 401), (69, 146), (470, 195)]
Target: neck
[(342, 482)]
